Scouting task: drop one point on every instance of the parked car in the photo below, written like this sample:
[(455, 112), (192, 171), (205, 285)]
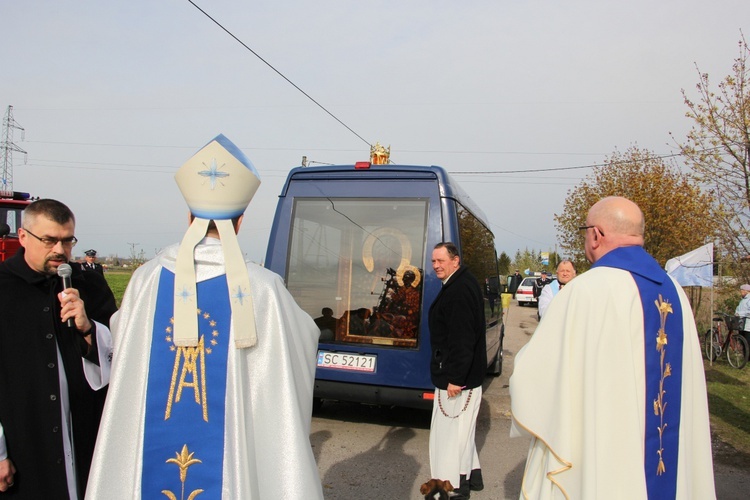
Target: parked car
[(525, 292)]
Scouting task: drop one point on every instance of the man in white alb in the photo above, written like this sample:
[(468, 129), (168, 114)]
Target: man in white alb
[(611, 385)]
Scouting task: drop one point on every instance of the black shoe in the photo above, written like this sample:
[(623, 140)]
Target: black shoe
[(463, 491), (475, 480)]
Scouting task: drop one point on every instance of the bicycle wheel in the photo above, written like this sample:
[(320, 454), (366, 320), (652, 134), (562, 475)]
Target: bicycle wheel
[(737, 351), (712, 352)]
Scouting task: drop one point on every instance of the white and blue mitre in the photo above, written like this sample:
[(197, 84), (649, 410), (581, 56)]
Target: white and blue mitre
[(217, 183)]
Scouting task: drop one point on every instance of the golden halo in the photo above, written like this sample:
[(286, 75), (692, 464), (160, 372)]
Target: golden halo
[(385, 231), (403, 269)]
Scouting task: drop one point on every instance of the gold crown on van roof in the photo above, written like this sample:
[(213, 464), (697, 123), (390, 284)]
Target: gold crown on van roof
[(379, 155)]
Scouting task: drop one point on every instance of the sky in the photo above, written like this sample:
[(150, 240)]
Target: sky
[(506, 95)]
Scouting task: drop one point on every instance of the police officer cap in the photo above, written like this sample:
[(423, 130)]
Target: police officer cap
[(90, 253)]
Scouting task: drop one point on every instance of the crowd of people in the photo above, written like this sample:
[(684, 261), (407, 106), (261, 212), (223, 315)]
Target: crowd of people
[(120, 404)]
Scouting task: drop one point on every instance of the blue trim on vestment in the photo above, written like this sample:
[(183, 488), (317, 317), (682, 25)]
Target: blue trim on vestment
[(662, 419), (172, 424)]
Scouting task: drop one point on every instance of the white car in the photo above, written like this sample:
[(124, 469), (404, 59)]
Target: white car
[(525, 292)]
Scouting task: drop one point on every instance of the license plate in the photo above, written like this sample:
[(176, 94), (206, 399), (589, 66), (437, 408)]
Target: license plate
[(346, 361)]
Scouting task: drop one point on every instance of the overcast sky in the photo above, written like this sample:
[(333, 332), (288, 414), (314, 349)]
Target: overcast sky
[(115, 96)]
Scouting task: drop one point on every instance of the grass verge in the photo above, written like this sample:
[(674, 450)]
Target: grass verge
[(729, 406), (118, 281)]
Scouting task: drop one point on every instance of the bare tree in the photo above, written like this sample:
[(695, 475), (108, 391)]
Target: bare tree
[(717, 149)]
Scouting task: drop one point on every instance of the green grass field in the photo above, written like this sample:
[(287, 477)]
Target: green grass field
[(729, 406), (728, 396), (118, 281)]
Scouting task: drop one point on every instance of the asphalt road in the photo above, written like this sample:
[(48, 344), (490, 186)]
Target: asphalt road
[(382, 452)]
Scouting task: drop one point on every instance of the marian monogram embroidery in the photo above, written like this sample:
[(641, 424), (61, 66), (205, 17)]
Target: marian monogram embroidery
[(189, 369), (660, 403), (185, 414)]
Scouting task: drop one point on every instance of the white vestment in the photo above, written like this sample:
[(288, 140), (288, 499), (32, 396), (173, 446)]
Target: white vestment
[(453, 449), (548, 293), (578, 387), (267, 451)]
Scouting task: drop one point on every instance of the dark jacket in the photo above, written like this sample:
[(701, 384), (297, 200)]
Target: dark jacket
[(515, 282), (539, 284), (93, 267), (457, 333), (30, 409)]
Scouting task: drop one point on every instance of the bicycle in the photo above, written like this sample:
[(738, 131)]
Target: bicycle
[(733, 343)]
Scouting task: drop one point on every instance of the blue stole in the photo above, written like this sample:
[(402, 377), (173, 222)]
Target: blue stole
[(555, 287), (183, 438), (663, 342)]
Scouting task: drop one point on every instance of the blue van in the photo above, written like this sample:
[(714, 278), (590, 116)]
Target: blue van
[(354, 245)]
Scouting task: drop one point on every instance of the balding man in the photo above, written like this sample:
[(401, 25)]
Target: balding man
[(566, 271), (619, 409)]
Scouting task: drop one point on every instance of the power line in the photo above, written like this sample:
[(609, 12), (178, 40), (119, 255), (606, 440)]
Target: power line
[(557, 169), (98, 166), (401, 151), (280, 73)]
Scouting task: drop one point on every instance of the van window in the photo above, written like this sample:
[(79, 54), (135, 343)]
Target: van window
[(478, 254), (359, 258), (12, 217)]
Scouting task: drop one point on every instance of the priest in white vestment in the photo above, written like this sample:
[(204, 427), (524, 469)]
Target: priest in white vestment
[(611, 386), (214, 362)]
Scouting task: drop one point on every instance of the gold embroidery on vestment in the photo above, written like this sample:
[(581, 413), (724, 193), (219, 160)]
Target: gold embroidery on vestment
[(660, 403), (189, 369), (183, 460)]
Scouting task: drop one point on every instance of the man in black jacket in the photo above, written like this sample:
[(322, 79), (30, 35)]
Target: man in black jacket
[(515, 282), (458, 366), (51, 344), (540, 283), (91, 264)]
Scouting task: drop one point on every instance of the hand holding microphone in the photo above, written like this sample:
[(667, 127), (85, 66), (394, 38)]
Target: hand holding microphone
[(72, 305), (64, 271)]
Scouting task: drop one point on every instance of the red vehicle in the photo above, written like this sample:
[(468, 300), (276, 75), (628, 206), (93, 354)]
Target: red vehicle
[(11, 208)]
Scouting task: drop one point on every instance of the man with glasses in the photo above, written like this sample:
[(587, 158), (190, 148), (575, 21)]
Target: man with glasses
[(611, 385), (54, 349)]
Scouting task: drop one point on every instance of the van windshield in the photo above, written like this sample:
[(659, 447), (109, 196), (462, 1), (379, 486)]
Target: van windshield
[(354, 266)]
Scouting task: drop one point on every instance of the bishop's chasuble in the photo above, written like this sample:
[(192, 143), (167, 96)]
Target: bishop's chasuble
[(211, 421)]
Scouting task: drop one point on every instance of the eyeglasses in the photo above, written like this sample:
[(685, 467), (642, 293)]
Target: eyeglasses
[(68, 242), (584, 228)]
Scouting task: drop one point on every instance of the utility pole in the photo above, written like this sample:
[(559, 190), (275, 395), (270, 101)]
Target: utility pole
[(8, 147)]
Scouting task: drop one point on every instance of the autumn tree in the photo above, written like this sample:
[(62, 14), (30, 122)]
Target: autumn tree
[(675, 209), (717, 149)]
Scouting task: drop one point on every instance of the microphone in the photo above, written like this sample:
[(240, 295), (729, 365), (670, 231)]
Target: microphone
[(64, 271)]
